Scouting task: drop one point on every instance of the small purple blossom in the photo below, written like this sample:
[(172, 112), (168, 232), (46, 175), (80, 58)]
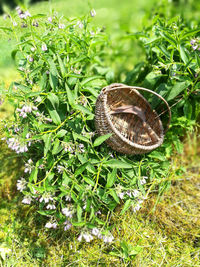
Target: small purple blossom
[(79, 24), (68, 225), (193, 41), (61, 26), (50, 19), (14, 23), (93, 13), (194, 47)]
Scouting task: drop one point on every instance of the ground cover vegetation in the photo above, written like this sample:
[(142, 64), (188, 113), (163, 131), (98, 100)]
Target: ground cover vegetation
[(68, 175)]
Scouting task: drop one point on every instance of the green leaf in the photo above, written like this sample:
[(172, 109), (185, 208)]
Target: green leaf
[(53, 114), (53, 76), (62, 66), (169, 38), (88, 180), (126, 206), (187, 110), (33, 176), (61, 133), (183, 54), (114, 163), (70, 95), (57, 147), (81, 137), (111, 178), (157, 155), (6, 29), (114, 195), (177, 89), (53, 99), (83, 109), (190, 33), (81, 169), (79, 213), (89, 79), (47, 142), (99, 140), (79, 224)]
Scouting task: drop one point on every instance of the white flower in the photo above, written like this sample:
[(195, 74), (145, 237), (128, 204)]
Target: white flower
[(60, 168), (93, 13), (51, 207), (33, 49), (136, 208), (67, 212), (107, 238), (48, 225), (88, 237), (95, 231), (27, 200), (121, 195), (51, 225), (80, 237), (21, 184), (46, 197), (135, 193), (68, 198), (44, 47)]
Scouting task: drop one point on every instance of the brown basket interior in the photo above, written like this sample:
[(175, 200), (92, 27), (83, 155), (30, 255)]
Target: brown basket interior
[(130, 125)]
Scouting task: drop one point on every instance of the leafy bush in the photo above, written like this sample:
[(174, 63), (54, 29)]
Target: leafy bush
[(71, 177)]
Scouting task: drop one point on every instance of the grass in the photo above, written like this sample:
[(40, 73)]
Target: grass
[(164, 233)]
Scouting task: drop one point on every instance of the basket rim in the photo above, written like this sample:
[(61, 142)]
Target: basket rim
[(135, 145)]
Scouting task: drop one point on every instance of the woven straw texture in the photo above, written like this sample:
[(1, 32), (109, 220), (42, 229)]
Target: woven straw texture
[(122, 111)]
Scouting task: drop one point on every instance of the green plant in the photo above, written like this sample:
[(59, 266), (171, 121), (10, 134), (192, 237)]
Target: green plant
[(70, 178)]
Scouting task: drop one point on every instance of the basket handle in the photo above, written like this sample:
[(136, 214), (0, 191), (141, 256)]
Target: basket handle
[(159, 96), (119, 86)]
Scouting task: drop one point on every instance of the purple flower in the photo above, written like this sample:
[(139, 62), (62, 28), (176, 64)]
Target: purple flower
[(61, 26), (14, 23), (68, 225), (194, 47), (193, 41), (44, 47), (79, 24), (93, 13), (50, 19)]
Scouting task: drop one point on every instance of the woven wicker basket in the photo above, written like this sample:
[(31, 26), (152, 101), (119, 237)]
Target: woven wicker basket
[(122, 111)]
